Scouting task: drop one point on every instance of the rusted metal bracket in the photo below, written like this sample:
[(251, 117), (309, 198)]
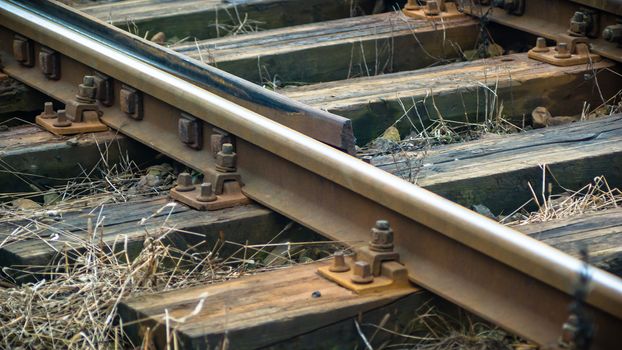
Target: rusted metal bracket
[(80, 114), (373, 268), (569, 51), (221, 187), (434, 10)]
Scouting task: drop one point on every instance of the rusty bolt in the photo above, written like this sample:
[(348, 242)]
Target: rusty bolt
[(562, 51), (49, 60), (184, 183), (613, 33), (86, 90), (207, 193), (23, 51), (48, 111), (580, 23), (432, 8), (339, 263), (62, 120), (226, 159), (541, 45), (569, 330), (361, 273), (381, 237)]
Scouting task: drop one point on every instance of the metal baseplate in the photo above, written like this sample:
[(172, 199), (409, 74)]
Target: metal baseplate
[(80, 115), (569, 51), (373, 268), (434, 10), (221, 187)]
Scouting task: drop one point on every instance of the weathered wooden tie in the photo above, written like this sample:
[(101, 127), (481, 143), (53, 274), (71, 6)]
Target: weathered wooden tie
[(599, 232), (295, 307), (29, 155), (495, 171), (294, 304), (17, 97), (203, 19), (467, 91), (32, 242), (338, 49)]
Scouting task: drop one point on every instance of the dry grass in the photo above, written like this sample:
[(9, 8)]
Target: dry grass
[(432, 329), (74, 302), (595, 196)]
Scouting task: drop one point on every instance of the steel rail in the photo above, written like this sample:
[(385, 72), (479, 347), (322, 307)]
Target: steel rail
[(517, 282), (321, 125)]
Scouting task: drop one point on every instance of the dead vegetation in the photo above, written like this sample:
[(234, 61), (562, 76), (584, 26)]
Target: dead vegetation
[(72, 302), (594, 196), (433, 329)]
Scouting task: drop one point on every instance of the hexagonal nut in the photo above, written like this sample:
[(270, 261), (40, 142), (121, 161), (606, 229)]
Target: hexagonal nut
[(226, 162), (381, 237)]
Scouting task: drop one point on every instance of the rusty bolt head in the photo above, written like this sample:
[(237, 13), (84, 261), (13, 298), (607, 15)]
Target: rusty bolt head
[(579, 23), (541, 45), (339, 263), (184, 183), (562, 51), (227, 148), (86, 90), (62, 121), (381, 237), (88, 80), (569, 330), (432, 8), (207, 193), (361, 273), (48, 111), (226, 159), (613, 33)]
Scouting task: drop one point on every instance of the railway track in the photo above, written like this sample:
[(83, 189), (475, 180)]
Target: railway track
[(297, 160)]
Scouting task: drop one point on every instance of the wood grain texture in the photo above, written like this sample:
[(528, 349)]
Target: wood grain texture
[(200, 18), (460, 91), (495, 171), (257, 311), (45, 240), (338, 49), (600, 232), (16, 98), (30, 155)]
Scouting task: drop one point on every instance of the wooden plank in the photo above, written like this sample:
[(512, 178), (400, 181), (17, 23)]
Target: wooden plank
[(600, 232), (17, 97), (459, 91), (276, 309), (495, 171), (256, 311), (338, 49), (36, 241), (200, 18), (29, 155)]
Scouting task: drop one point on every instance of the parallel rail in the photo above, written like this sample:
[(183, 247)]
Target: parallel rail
[(517, 282)]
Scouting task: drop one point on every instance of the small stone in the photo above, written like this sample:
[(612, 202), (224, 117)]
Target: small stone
[(72, 141), (25, 204), (391, 134), (316, 294), (483, 210), (159, 38), (540, 117)]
